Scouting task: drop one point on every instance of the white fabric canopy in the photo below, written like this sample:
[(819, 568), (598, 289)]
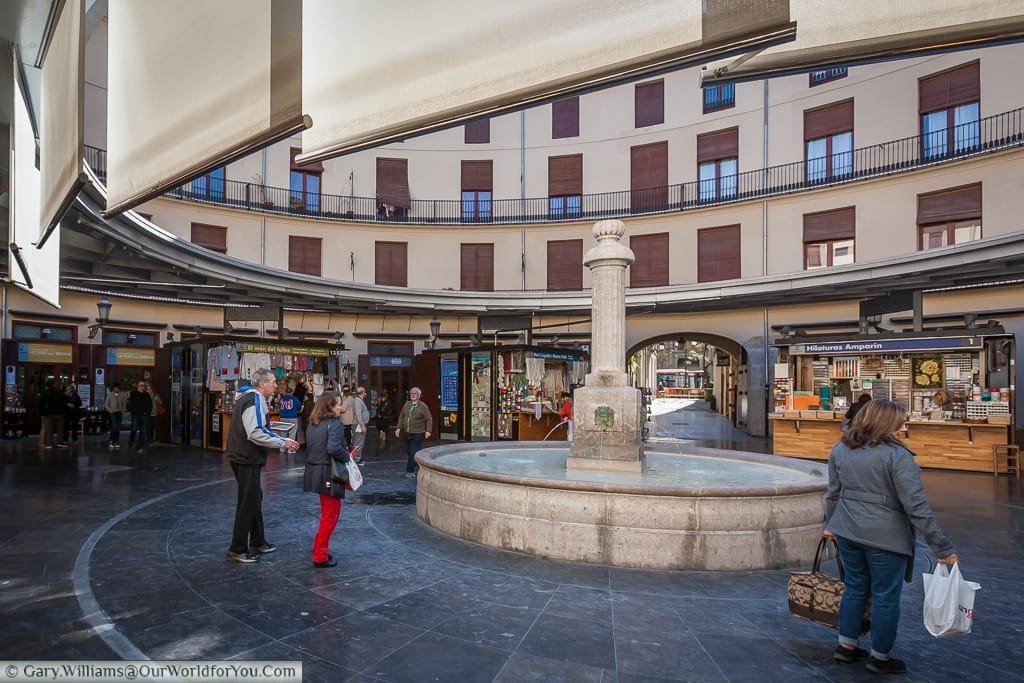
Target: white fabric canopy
[(839, 31), (62, 126), (37, 271), (194, 84), (379, 71)]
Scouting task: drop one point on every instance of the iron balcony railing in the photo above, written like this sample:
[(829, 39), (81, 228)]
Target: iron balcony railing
[(993, 133)]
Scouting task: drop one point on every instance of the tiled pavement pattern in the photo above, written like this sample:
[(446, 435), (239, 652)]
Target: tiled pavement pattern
[(107, 555)]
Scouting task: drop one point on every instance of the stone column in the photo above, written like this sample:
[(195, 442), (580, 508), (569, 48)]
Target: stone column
[(607, 412)]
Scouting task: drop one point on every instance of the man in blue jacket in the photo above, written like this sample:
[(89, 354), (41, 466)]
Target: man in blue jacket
[(248, 441)]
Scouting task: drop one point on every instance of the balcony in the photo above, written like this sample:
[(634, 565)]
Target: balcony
[(999, 132)]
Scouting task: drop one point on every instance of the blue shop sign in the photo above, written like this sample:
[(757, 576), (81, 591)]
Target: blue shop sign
[(391, 361), (887, 346)]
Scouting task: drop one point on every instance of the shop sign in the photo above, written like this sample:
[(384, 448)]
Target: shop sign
[(887, 345), (391, 361), (283, 349), (59, 354), (126, 355), (555, 355)]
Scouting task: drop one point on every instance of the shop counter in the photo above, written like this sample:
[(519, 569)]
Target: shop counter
[(532, 429), (945, 445)]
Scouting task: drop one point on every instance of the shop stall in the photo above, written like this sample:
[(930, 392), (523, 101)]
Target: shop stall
[(513, 392), (957, 390), (206, 375)]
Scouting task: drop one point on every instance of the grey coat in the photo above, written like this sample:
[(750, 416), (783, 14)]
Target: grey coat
[(875, 498), (324, 442)]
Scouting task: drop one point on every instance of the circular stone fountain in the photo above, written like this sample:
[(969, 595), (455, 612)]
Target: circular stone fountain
[(705, 509)]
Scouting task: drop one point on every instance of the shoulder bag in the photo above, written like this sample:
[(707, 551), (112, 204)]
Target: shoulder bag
[(816, 596)]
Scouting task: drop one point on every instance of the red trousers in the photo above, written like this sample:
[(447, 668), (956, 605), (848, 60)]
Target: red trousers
[(330, 511)]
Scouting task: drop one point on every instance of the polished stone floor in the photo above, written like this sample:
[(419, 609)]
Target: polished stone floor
[(111, 555)]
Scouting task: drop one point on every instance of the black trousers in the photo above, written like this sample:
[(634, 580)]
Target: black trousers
[(248, 532)]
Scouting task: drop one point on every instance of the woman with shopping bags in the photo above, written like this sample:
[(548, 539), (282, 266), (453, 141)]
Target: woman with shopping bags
[(325, 441), (874, 503)]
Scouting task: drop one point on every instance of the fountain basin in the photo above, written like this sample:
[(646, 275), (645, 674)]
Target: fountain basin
[(702, 509)]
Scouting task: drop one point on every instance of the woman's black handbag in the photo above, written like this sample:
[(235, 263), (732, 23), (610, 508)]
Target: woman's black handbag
[(339, 472)]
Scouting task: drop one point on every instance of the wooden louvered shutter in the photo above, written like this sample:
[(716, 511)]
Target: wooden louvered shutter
[(212, 237), (304, 255), (648, 170), (477, 267), (565, 118), (719, 144), (828, 120), (565, 175), (565, 265), (651, 266), (393, 182), (478, 132), (477, 176), (953, 204), (950, 88), (391, 263), (839, 224), (718, 253), (649, 104)]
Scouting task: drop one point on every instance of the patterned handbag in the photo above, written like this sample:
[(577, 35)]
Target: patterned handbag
[(816, 596)]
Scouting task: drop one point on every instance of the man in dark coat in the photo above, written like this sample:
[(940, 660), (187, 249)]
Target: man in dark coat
[(51, 410), (249, 441), (140, 405)]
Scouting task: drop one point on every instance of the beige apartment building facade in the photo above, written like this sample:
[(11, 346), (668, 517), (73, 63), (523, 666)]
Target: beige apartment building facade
[(750, 207)]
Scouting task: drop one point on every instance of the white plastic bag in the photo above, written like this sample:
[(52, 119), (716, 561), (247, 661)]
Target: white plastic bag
[(948, 601), (355, 477)]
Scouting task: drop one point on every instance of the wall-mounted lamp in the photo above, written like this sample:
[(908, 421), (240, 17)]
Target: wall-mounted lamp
[(337, 337), (170, 336), (228, 328), (283, 333), (103, 311), (554, 339), (435, 327)]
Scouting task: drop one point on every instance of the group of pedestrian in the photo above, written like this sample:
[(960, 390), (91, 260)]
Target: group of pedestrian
[(334, 432), (144, 406), (60, 410)]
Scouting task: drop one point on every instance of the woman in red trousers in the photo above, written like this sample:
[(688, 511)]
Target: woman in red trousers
[(325, 441)]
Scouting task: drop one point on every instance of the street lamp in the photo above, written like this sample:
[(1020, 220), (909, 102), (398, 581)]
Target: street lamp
[(435, 327), (103, 309)]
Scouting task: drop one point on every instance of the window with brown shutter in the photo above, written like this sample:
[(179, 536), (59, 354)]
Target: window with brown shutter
[(949, 88), (649, 103), (391, 263), (650, 269), (718, 253), (477, 179), (478, 132), (565, 265), (837, 224), (393, 184), (953, 204), (477, 175), (477, 269), (828, 120), (565, 118), (304, 255), (829, 237), (212, 237), (648, 176), (719, 144), (565, 175)]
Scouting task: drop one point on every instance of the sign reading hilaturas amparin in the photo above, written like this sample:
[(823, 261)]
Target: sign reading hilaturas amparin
[(887, 345)]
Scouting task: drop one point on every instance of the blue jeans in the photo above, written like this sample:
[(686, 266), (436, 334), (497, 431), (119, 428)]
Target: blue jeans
[(413, 443), (878, 574), (115, 426)]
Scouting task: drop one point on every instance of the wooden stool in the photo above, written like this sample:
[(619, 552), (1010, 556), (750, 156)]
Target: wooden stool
[(1009, 453)]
